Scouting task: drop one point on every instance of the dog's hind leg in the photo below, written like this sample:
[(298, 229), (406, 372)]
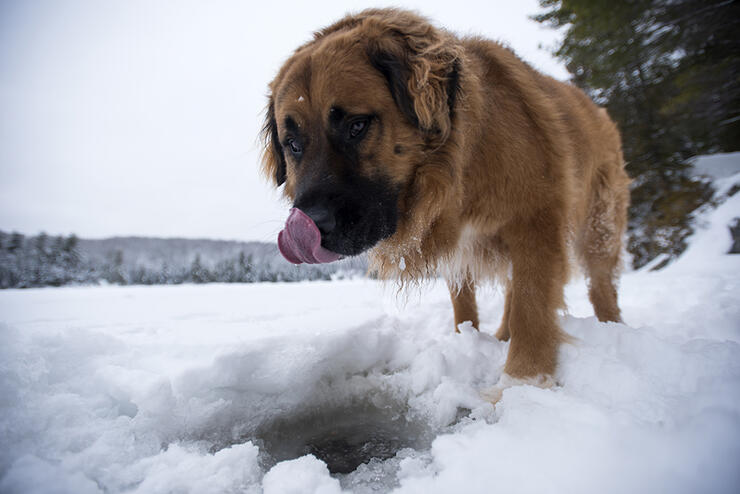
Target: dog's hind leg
[(600, 250), (503, 333), (602, 268), (463, 301)]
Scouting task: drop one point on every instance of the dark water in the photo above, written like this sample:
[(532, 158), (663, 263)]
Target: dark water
[(343, 437)]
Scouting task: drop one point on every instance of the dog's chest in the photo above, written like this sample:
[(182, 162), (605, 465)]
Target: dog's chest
[(475, 255)]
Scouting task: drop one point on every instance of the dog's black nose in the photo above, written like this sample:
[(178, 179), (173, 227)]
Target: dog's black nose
[(323, 217)]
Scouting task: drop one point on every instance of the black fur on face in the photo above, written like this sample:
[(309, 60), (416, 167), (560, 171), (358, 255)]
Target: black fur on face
[(353, 214), (352, 210)]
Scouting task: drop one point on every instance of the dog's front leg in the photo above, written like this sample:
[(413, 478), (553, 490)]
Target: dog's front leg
[(462, 294), (539, 261)]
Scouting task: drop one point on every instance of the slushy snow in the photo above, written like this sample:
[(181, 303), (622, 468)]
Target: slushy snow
[(245, 388)]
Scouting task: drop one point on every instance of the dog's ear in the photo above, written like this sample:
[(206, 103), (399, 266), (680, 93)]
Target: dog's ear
[(273, 159), (422, 68)]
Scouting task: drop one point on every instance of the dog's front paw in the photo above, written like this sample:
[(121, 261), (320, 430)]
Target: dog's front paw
[(494, 393)]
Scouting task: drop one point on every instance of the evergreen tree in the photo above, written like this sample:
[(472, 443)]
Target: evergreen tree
[(14, 262), (225, 271), (164, 274), (198, 273), (71, 254), (55, 263), (244, 268), (16, 242), (40, 265), (5, 261), (668, 73), (114, 272)]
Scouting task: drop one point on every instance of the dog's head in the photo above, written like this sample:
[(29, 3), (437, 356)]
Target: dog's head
[(351, 116)]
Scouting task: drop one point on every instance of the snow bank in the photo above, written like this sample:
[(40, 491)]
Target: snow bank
[(712, 237), (272, 387), (305, 474), (718, 166)]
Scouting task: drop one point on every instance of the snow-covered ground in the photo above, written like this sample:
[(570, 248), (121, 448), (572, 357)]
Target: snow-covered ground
[(718, 166), (243, 388)]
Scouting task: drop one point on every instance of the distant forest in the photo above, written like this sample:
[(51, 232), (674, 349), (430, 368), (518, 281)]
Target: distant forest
[(43, 260)]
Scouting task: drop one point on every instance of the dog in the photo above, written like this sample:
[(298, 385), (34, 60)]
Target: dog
[(447, 156)]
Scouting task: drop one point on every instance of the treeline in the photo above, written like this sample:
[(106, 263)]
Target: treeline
[(43, 260), (668, 71)]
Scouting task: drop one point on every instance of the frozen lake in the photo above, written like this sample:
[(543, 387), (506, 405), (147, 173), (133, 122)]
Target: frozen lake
[(345, 386)]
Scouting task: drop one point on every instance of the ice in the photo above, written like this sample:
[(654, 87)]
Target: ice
[(344, 387)]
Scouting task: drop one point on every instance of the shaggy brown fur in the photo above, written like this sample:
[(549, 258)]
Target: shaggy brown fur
[(503, 172)]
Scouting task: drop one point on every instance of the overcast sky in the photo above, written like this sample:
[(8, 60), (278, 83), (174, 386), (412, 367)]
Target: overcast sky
[(141, 117)]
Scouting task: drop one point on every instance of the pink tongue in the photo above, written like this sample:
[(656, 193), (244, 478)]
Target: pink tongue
[(300, 241)]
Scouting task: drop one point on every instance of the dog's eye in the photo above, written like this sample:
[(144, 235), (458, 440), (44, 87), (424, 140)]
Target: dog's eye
[(294, 146), (357, 128)]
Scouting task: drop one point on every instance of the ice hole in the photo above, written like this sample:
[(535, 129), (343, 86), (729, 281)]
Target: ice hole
[(343, 437)]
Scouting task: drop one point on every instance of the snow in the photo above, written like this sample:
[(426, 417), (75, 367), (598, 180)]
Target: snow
[(305, 474), (717, 166), (714, 237), (266, 387)]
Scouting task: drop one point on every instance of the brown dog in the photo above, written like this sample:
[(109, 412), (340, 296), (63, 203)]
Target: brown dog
[(451, 156)]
